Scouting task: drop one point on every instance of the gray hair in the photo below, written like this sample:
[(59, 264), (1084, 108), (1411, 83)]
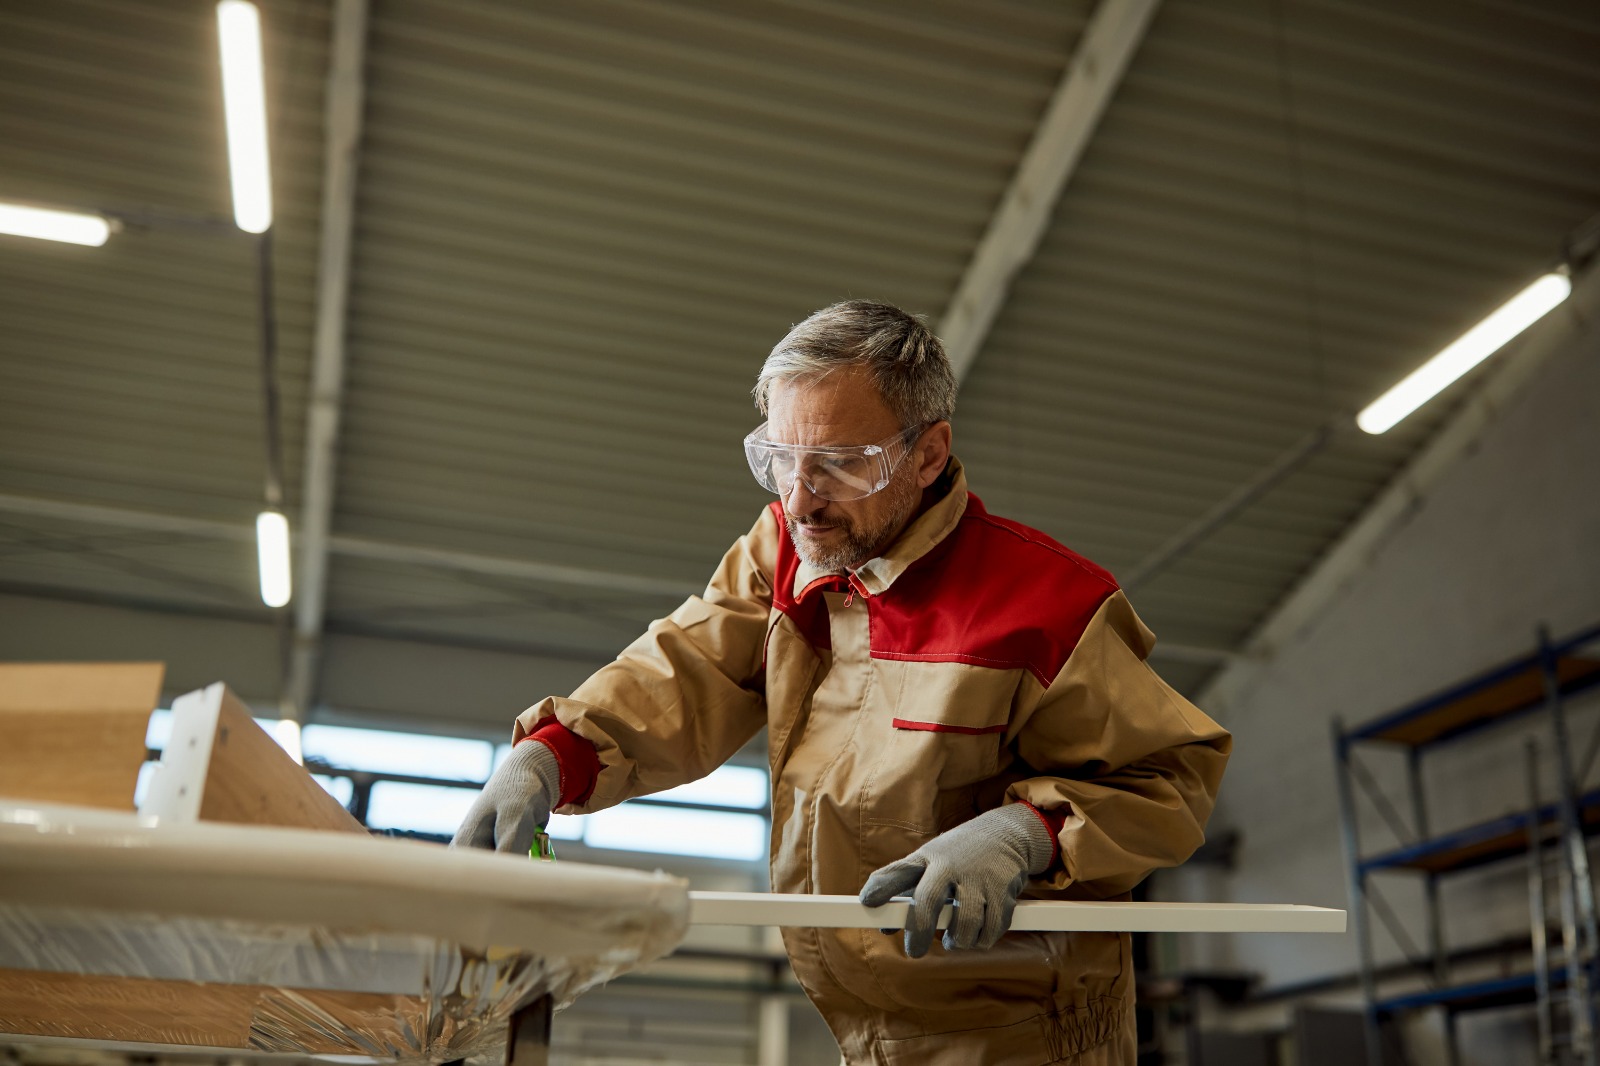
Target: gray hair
[(904, 358)]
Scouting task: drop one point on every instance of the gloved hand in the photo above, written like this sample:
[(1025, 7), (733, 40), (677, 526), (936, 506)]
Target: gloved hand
[(984, 863), (515, 802)]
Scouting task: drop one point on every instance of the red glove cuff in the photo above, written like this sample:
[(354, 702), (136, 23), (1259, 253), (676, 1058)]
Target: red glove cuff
[(1053, 821), (578, 761)]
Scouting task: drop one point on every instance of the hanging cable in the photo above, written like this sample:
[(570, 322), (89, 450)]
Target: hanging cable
[(270, 404), (1312, 293)]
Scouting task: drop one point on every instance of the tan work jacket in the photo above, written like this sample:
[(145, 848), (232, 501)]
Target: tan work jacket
[(976, 663)]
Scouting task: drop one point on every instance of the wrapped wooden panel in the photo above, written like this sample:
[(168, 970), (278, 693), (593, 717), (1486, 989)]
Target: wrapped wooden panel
[(125, 928), (74, 732), (220, 766)]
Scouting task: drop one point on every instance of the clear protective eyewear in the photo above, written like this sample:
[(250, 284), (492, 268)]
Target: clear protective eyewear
[(838, 474)]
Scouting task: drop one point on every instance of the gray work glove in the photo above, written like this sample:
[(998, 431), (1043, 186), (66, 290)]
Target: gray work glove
[(983, 864), (515, 803)]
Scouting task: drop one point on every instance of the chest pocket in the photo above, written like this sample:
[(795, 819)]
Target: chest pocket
[(956, 746), (942, 732)]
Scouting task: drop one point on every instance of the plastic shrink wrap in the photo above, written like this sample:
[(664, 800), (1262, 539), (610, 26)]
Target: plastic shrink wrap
[(113, 928)]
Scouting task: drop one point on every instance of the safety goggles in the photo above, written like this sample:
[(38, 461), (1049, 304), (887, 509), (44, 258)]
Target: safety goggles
[(838, 474)]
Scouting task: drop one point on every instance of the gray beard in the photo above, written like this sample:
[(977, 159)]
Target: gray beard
[(860, 545)]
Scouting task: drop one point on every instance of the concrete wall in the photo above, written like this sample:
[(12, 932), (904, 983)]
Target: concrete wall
[(1508, 538)]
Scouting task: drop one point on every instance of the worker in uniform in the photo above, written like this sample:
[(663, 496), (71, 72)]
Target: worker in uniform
[(958, 708)]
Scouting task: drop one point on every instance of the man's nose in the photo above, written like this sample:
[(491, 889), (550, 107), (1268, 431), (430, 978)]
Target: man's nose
[(801, 501)]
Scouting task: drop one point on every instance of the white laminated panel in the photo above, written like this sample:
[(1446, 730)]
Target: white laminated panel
[(847, 912)]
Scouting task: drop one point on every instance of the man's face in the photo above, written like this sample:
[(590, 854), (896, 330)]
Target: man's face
[(843, 408)]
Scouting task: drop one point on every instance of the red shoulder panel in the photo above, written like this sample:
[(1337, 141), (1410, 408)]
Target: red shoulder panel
[(993, 593)]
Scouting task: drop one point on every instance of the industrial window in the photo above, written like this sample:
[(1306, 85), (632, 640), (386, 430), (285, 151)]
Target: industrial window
[(340, 788), (677, 831), (726, 786), (721, 816), (414, 754)]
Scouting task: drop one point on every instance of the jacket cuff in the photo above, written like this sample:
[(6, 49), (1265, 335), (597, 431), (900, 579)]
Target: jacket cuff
[(576, 757), (1053, 821)]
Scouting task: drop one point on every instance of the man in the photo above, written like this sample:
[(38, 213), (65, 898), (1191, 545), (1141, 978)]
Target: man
[(957, 707)]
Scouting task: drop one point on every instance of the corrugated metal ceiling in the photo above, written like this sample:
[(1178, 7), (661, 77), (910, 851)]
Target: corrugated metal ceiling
[(579, 231), (1287, 207), (579, 228)]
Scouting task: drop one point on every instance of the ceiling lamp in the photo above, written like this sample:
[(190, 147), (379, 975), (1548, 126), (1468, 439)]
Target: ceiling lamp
[(1473, 347), (272, 555), (73, 227), (244, 98)]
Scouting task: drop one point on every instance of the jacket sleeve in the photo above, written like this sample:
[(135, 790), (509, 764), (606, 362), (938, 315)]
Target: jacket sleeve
[(1128, 767), (684, 696)]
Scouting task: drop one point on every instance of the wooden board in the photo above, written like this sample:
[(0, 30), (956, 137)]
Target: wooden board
[(220, 766), (846, 912), (74, 732), (142, 1011)]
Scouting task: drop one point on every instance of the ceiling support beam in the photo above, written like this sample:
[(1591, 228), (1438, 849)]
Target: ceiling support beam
[(355, 548), (341, 158), (1019, 221), (664, 590), (1225, 510)]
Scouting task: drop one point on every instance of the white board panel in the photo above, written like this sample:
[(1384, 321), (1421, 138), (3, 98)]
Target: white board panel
[(847, 912)]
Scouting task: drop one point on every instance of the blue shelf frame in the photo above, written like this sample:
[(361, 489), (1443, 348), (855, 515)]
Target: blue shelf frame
[(1525, 684), (1499, 992), (1530, 665), (1463, 840)]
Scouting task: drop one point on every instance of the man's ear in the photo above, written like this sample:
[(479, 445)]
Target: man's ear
[(933, 453)]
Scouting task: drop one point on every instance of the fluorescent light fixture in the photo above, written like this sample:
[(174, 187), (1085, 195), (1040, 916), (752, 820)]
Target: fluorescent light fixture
[(244, 98), (1473, 347), (69, 226), (287, 733), (272, 550)]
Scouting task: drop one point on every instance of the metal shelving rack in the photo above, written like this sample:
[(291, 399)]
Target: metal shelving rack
[(1539, 681)]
